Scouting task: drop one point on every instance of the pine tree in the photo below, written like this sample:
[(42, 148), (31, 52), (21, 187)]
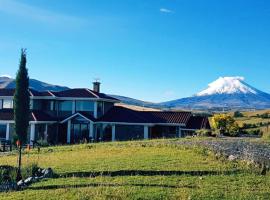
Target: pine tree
[(21, 106)]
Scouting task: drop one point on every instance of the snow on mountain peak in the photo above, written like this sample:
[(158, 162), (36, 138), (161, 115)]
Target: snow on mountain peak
[(228, 85), (5, 76)]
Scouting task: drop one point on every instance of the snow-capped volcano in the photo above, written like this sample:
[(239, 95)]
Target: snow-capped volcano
[(225, 92), (228, 85)]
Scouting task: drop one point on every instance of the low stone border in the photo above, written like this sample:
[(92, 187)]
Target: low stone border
[(22, 184)]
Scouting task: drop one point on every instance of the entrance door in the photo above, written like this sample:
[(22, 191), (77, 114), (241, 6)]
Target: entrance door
[(80, 132)]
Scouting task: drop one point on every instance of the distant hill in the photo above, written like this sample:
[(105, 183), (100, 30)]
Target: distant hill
[(135, 102), (8, 82)]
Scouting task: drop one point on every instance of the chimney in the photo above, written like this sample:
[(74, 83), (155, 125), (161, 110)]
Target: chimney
[(96, 86)]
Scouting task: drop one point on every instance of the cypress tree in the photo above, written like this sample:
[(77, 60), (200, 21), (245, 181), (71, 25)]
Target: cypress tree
[(21, 106)]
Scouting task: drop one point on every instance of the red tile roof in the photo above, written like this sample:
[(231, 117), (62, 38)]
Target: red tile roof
[(7, 92), (8, 115), (121, 114), (70, 93), (198, 122)]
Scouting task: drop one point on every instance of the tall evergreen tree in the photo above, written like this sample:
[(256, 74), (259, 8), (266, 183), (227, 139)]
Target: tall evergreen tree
[(21, 106)]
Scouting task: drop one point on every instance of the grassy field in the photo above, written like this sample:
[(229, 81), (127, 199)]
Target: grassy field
[(139, 170)]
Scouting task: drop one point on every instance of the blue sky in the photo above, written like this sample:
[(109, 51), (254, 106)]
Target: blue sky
[(154, 50)]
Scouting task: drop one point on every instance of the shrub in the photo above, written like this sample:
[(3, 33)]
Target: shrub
[(225, 124), (43, 143), (252, 132), (237, 114), (7, 174), (203, 133)]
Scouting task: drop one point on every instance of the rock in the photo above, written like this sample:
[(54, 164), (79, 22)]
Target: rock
[(232, 158), (21, 184), (29, 180), (48, 173), (43, 171)]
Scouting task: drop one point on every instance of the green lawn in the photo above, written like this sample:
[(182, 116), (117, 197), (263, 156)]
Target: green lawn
[(139, 170)]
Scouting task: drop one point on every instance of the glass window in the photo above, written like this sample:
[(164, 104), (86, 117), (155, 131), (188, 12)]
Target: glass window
[(8, 104), (99, 109), (65, 105), (84, 106), (3, 129), (1, 103)]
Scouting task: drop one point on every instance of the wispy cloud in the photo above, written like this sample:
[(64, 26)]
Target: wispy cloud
[(37, 14), (165, 10)]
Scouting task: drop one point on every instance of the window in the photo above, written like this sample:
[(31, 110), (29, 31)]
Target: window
[(99, 109), (65, 106), (1, 103), (3, 129), (7, 104), (84, 106)]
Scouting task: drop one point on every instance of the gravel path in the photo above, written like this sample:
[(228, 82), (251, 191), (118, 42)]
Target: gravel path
[(236, 148)]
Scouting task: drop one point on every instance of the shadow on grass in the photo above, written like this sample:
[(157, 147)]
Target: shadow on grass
[(52, 187), (93, 174), (144, 173)]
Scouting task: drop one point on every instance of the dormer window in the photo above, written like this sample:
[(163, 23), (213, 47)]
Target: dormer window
[(7, 104)]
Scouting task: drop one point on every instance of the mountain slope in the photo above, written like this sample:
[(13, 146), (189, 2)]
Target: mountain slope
[(225, 92), (135, 102), (8, 82)]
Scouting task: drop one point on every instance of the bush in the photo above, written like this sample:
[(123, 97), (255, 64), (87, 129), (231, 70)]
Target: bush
[(43, 143), (203, 133), (264, 115), (252, 132), (237, 114), (225, 124), (7, 174)]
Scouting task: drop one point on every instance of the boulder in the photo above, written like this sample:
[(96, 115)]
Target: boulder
[(48, 173), (21, 184), (29, 180), (232, 158)]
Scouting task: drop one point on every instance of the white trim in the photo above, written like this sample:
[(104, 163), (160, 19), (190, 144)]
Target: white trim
[(88, 90), (91, 130), (34, 116), (32, 133), (75, 114), (6, 121), (46, 132), (145, 132), (50, 93), (179, 132), (68, 131), (42, 122), (30, 122), (6, 97), (7, 132), (30, 93), (95, 109), (113, 133)]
